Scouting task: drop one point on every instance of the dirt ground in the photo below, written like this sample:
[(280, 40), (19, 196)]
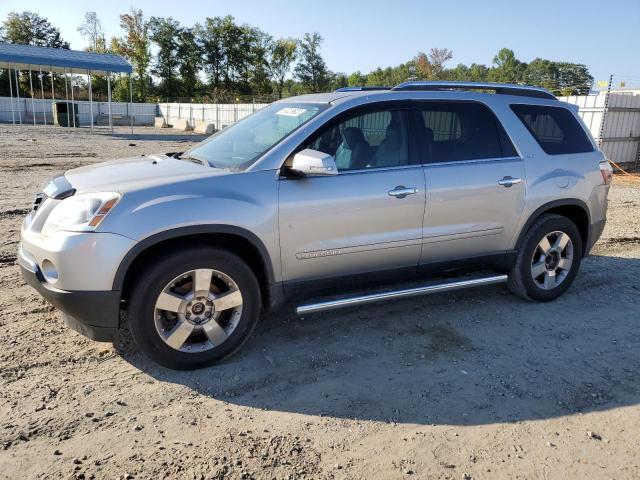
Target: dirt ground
[(476, 384)]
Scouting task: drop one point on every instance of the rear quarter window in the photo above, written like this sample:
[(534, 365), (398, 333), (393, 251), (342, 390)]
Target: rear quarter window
[(555, 129)]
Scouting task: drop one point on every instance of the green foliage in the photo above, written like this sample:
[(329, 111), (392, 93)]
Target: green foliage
[(165, 32), (135, 47), (259, 72), (283, 54), (29, 28), (231, 53), (189, 62), (573, 79), (311, 70), (356, 79), (561, 78), (507, 68), (120, 89), (431, 66)]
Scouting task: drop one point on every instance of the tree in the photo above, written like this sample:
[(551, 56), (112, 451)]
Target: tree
[(226, 53), (508, 69), (236, 48), (356, 79), (165, 33), (189, 61), (209, 36), (283, 54), (260, 44), (560, 78), (573, 79), (235, 57), (431, 66), (91, 30), (338, 80), (391, 76), (422, 66), (135, 47), (541, 72), (29, 28), (311, 69), (438, 57), (478, 73)]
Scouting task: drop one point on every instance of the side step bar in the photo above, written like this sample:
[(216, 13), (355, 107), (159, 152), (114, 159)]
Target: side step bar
[(409, 292)]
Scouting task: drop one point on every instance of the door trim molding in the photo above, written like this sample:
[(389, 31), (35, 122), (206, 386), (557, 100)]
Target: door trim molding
[(370, 247), (461, 235)]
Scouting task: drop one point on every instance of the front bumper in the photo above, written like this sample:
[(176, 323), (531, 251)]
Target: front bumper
[(95, 314)]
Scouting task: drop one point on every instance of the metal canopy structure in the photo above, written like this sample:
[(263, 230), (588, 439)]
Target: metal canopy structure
[(67, 63), (60, 61)]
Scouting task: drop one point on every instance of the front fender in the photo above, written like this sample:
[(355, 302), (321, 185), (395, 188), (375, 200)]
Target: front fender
[(244, 204), (140, 247)]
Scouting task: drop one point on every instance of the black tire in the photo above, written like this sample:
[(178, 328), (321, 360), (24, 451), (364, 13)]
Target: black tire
[(521, 281), (150, 284)]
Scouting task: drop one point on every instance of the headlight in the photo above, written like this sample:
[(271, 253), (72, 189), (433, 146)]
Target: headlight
[(80, 213)]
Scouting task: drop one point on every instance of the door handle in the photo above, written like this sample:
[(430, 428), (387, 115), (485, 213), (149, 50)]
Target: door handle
[(509, 181), (401, 191)]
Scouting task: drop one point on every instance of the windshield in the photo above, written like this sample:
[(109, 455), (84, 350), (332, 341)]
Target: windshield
[(241, 144)]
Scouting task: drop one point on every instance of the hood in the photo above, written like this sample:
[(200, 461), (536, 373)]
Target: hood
[(137, 172)]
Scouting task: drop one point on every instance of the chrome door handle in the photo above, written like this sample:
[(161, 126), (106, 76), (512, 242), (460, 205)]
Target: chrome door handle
[(509, 181), (401, 191)]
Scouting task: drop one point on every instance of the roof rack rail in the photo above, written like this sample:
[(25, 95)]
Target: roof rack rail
[(360, 89), (500, 88)]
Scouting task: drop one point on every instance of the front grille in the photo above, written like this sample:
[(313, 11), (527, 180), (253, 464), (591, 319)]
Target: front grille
[(39, 200)]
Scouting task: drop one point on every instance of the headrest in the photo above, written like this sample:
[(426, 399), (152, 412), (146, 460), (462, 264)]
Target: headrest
[(353, 136)]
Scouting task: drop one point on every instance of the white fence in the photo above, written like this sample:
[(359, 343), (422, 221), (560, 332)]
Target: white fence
[(619, 136), (21, 110), (221, 115)]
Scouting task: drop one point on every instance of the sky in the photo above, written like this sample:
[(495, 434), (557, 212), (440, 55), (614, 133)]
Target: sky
[(362, 35)]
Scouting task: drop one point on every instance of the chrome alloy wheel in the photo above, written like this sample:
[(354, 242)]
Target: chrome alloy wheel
[(552, 260), (198, 310)]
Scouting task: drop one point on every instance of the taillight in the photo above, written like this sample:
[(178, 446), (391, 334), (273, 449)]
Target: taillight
[(607, 172)]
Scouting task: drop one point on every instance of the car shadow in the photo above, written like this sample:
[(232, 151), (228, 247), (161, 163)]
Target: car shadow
[(465, 358)]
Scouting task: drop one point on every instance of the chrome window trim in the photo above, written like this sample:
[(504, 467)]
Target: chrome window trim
[(379, 169), (496, 117), (360, 170), (474, 160)]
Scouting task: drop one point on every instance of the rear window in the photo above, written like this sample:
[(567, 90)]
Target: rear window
[(555, 129)]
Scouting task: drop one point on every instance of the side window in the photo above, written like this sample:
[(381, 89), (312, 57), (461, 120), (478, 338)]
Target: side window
[(454, 131), (366, 140), (555, 129)]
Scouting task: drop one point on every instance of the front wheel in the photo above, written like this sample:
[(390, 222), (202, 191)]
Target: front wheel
[(548, 259), (194, 307)]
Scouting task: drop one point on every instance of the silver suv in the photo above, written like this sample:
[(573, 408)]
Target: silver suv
[(319, 202)]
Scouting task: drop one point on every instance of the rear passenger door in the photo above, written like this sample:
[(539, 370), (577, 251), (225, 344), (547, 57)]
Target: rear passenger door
[(474, 181)]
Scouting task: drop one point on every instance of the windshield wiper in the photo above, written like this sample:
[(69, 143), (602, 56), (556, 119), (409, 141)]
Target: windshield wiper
[(191, 158)]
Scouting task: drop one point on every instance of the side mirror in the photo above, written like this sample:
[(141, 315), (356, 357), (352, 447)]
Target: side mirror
[(313, 162)]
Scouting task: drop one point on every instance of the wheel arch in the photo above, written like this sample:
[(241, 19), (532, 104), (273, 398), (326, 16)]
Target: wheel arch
[(236, 239), (574, 209)]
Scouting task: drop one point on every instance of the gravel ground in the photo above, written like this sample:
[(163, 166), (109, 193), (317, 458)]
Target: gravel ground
[(476, 384)]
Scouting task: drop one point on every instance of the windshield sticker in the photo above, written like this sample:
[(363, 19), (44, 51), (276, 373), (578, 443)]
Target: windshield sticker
[(291, 112)]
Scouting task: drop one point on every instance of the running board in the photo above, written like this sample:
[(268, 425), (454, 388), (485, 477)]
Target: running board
[(394, 294)]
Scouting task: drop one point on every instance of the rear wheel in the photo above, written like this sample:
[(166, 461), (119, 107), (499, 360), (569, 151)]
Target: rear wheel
[(194, 307), (548, 259)]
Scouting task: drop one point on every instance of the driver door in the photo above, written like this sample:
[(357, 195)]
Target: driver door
[(366, 218)]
